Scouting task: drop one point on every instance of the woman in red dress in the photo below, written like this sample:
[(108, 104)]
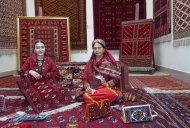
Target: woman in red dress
[(39, 84), (101, 75), (39, 64)]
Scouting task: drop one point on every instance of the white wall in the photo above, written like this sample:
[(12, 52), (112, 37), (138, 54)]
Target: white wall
[(166, 55)]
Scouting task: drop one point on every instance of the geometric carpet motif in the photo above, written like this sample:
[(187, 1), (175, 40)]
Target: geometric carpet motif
[(108, 15), (77, 115), (136, 48), (177, 106), (181, 18), (44, 94), (9, 81), (162, 17), (53, 30), (76, 11), (9, 10), (158, 82)]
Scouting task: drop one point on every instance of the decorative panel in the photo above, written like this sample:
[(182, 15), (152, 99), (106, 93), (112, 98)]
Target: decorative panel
[(108, 15), (161, 14), (76, 11), (136, 49), (53, 30), (9, 10)]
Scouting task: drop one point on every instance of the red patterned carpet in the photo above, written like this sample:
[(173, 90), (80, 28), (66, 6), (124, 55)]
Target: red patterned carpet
[(9, 81), (76, 116), (177, 106), (159, 82)]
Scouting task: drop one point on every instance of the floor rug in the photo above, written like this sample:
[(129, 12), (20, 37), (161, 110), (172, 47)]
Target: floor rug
[(9, 81), (177, 106), (159, 82), (11, 92), (76, 115)]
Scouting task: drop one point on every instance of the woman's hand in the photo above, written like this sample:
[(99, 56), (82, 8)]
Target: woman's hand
[(88, 88), (36, 75), (108, 84), (105, 83)]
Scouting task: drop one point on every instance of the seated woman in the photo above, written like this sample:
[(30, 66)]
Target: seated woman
[(101, 75), (39, 84), (39, 64)]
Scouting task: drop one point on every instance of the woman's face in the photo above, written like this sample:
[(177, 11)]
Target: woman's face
[(98, 50), (39, 49)]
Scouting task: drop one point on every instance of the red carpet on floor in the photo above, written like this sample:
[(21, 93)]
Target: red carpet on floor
[(9, 81), (76, 115), (159, 82)]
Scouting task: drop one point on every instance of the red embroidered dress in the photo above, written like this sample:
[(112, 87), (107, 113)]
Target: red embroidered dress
[(108, 68), (46, 93), (47, 67)]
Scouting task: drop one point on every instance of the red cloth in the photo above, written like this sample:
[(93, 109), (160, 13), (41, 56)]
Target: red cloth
[(100, 94), (107, 67), (88, 73), (48, 66)]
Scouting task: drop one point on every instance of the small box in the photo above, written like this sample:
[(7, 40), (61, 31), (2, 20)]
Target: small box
[(137, 113)]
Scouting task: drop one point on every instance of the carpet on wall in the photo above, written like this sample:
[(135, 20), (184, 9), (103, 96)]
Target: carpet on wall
[(108, 15), (161, 15), (76, 11), (53, 30), (181, 18), (8, 30), (158, 83), (76, 115), (136, 48)]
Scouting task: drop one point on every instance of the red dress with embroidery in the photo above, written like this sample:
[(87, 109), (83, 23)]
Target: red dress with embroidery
[(47, 68), (108, 68)]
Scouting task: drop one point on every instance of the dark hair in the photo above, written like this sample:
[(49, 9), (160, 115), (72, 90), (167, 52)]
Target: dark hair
[(99, 41), (37, 41)]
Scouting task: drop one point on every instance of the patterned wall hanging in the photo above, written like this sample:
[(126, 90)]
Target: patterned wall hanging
[(181, 20), (75, 10), (161, 15), (53, 30), (9, 10), (108, 15), (136, 47)]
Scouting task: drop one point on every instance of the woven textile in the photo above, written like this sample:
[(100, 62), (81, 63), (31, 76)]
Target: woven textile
[(44, 94), (54, 31), (76, 11), (158, 82), (9, 10), (136, 43), (71, 76), (177, 106), (9, 81), (161, 16), (77, 116), (108, 15), (181, 18)]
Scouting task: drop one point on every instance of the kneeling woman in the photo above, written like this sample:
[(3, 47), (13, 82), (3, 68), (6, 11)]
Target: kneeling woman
[(101, 76)]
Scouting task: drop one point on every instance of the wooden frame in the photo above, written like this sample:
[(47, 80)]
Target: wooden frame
[(53, 30)]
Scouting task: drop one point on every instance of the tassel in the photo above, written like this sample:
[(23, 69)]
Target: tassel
[(129, 97)]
